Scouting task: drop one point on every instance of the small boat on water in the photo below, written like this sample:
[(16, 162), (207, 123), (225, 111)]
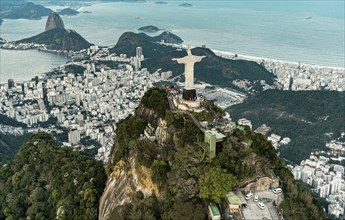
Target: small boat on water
[(309, 18)]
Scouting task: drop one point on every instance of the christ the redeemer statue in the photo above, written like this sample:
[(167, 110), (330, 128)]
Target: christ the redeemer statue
[(189, 92)]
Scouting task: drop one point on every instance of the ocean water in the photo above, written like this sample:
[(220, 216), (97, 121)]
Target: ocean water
[(25, 64), (271, 29)]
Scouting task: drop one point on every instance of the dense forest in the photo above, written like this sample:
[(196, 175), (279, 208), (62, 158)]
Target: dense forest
[(187, 178), (10, 144), (303, 116), (46, 181)]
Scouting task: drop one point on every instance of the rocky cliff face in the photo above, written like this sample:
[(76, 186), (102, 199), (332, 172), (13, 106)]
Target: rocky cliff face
[(162, 134), (125, 179), (54, 21), (130, 177), (148, 114)]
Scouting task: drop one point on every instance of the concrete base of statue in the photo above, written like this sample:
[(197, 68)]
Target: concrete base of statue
[(188, 105), (189, 94)]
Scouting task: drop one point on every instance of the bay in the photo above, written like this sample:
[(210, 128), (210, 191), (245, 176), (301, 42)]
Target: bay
[(271, 29), (22, 65)]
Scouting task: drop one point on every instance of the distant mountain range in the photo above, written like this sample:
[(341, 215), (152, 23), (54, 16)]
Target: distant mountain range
[(68, 11), (26, 10), (213, 69), (56, 37)]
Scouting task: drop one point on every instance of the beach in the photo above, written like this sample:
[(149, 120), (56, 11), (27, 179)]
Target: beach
[(297, 76)]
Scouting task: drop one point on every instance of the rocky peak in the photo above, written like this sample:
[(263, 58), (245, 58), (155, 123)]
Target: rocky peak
[(54, 21)]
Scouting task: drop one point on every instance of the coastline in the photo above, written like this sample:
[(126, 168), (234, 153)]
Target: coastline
[(297, 76), (229, 55), (291, 75), (28, 69)]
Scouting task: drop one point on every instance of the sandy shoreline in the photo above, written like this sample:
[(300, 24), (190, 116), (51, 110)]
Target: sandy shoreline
[(297, 76), (260, 59)]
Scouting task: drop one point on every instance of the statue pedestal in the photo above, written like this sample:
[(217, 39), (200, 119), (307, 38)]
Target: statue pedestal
[(188, 105), (189, 94)]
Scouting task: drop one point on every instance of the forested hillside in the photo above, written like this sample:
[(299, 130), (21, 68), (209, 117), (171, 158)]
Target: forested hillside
[(10, 144), (46, 181), (176, 178), (303, 116)]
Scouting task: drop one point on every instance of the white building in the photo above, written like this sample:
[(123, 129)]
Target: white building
[(324, 190), (244, 121), (297, 172), (74, 137)]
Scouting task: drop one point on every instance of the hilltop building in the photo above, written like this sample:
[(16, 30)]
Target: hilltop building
[(214, 138)]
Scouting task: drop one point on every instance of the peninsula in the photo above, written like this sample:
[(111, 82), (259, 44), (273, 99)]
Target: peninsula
[(56, 37)]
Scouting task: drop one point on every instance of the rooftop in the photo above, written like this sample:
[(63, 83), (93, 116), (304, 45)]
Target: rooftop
[(233, 199), (214, 209), (215, 132), (236, 198)]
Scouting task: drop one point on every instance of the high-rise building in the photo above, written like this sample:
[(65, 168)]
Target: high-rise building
[(336, 185), (40, 103), (317, 183), (36, 80), (324, 190), (10, 83), (305, 174), (339, 168), (297, 172), (74, 137), (139, 52)]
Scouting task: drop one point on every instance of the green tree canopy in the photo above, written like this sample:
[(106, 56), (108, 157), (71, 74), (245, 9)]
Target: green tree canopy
[(216, 183), (156, 100), (46, 181)]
